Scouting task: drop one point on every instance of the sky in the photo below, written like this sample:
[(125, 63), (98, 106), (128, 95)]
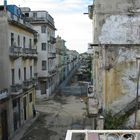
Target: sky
[(72, 25)]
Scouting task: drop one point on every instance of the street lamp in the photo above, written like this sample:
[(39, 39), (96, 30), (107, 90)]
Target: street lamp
[(137, 93)]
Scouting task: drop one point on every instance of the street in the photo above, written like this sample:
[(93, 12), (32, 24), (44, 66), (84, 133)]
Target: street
[(56, 117)]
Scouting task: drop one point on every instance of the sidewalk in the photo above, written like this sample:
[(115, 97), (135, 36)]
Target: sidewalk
[(20, 132)]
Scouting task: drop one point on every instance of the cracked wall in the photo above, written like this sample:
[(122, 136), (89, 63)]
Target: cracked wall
[(117, 32)]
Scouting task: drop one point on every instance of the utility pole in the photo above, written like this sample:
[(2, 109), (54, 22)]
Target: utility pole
[(137, 94)]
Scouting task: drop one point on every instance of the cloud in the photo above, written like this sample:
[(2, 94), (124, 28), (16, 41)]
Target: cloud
[(71, 24)]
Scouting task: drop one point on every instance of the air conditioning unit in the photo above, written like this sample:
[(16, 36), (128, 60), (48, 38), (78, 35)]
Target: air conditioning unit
[(90, 89)]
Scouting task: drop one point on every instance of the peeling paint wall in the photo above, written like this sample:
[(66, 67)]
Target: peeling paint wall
[(112, 15), (120, 76), (120, 29), (116, 26)]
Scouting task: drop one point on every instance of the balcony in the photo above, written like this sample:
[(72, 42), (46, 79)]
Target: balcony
[(18, 21), (16, 89), (36, 37), (4, 94), (35, 81), (15, 52), (52, 40), (33, 53), (27, 84), (102, 135), (51, 55), (29, 53), (52, 72)]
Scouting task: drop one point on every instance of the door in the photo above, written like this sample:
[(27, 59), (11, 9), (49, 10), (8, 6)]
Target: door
[(24, 108), (43, 87), (13, 76), (24, 74), (4, 125)]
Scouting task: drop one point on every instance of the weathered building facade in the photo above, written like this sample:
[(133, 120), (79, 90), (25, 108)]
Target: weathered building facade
[(43, 23), (66, 59), (18, 55), (116, 33)]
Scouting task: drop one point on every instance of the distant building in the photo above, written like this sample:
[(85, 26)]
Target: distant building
[(18, 56), (66, 60)]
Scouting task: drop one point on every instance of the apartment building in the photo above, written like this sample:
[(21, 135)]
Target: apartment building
[(60, 57), (43, 23), (116, 44), (18, 56)]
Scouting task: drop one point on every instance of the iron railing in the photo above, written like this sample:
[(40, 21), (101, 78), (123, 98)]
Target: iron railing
[(4, 94), (103, 134)]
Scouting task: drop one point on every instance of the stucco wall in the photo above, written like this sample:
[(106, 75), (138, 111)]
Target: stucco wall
[(119, 81), (116, 22), (120, 29), (111, 15)]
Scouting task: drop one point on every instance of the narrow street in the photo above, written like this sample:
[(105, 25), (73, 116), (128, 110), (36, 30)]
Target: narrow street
[(56, 117)]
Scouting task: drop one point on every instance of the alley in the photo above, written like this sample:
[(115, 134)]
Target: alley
[(56, 117), (61, 113)]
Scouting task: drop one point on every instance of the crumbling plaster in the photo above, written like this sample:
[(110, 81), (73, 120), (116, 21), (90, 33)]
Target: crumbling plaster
[(120, 29)]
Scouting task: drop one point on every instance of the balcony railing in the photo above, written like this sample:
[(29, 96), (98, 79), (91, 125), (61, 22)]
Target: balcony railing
[(16, 89), (52, 40), (52, 71), (35, 81), (36, 37), (28, 84), (17, 20), (15, 51), (34, 52), (29, 53), (103, 134), (4, 94), (52, 55)]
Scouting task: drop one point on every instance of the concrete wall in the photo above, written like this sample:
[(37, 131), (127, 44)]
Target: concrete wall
[(114, 70), (114, 15), (4, 51)]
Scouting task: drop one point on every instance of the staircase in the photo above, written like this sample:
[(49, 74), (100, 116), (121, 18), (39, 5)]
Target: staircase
[(129, 108)]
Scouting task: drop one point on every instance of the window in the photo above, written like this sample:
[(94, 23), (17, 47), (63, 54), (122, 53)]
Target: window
[(30, 97), (49, 47), (18, 40), (14, 103), (12, 39), (44, 65), (24, 73), (35, 15), (30, 43), (43, 46), (13, 76), (27, 14), (24, 41), (19, 74), (43, 29), (30, 71)]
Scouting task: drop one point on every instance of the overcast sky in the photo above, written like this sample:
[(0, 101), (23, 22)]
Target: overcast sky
[(72, 25)]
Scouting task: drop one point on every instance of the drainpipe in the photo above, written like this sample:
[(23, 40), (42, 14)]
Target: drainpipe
[(137, 94)]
